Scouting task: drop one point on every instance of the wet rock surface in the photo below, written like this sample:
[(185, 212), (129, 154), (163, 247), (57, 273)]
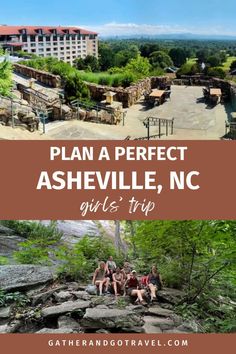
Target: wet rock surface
[(21, 277)]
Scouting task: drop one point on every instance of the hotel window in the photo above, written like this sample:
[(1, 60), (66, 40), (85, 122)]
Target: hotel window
[(48, 39), (40, 38)]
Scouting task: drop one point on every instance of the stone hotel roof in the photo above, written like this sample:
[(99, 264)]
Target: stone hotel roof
[(32, 30)]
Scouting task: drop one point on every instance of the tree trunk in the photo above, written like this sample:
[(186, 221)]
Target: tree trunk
[(118, 242)]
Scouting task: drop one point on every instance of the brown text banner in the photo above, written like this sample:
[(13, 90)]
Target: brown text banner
[(118, 343), (122, 184)]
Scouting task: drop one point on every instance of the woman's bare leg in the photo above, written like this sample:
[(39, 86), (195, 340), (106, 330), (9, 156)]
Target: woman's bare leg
[(115, 287), (153, 291)]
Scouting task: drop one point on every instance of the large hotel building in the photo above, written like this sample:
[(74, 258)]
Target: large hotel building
[(63, 43)]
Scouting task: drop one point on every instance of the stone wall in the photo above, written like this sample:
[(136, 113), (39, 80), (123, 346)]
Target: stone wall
[(127, 96), (41, 76)]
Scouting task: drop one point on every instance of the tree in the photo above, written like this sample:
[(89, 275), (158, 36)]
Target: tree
[(233, 65), (75, 88), (106, 56), (148, 48), (214, 60), (216, 72), (139, 66), (5, 78), (193, 255), (178, 56), (160, 59)]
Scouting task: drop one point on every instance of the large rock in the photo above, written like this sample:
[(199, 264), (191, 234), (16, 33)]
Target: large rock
[(22, 277), (5, 230), (159, 311), (68, 323), (5, 312), (160, 322), (66, 307), (172, 296), (55, 331), (9, 244), (42, 297), (111, 318)]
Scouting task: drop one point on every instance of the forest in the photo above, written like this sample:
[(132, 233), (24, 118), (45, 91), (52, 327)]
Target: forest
[(196, 257)]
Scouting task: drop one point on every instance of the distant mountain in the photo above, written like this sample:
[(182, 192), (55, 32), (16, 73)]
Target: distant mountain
[(173, 36)]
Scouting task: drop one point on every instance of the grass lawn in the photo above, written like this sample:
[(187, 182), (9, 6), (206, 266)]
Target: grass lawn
[(192, 61), (226, 65)]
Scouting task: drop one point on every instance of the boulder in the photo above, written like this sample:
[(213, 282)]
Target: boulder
[(5, 312), (3, 329), (159, 311), (22, 277), (5, 230), (13, 327), (9, 244), (162, 323), (55, 331), (63, 296), (110, 318), (68, 323), (44, 296), (102, 331), (172, 296), (82, 295), (65, 307), (189, 327)]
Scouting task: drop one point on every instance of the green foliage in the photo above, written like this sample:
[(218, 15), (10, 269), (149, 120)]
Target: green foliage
[(34, 252), (216, 72), (5, 78), (3, 260), (190, 254), (233, 65), (179, 56), (40, 241), (19, 299), (160, 59), (188, 69), (80, 261), (90, 63), (34, 230), (75, 88), (139, 66)]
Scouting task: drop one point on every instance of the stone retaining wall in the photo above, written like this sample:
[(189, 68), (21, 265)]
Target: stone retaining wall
[(127, 96), (41, 76)]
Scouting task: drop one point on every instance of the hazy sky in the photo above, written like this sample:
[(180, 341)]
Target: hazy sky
[(111, 17)]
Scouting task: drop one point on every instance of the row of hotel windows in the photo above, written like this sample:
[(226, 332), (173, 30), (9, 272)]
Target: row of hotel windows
[(67, 58), (33, 45), (55, 38)]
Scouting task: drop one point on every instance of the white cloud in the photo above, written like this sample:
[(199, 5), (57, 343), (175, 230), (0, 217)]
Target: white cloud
[(119, 29)]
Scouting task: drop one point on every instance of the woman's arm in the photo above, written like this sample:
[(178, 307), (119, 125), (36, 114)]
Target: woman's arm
[(94, 276)]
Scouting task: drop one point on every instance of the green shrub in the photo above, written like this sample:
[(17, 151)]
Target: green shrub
[(9, 298), (81, 260), (128, 79), (33, 252), (3, 260), (105, 80), (216, 72), (34, 230)]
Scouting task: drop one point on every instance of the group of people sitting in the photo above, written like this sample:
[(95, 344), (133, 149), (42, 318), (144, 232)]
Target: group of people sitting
[(124, 281)]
